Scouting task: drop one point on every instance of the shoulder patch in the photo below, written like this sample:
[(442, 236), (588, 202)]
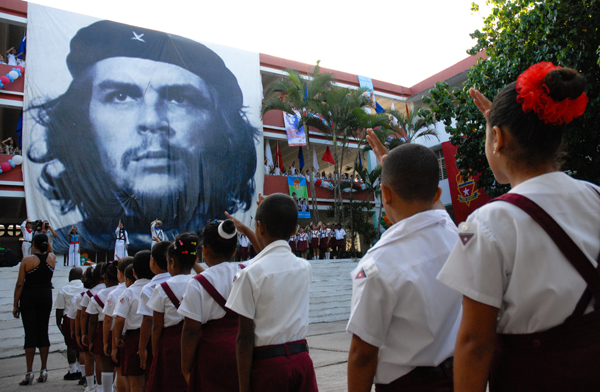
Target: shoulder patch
[(368, 269), (466, 232)]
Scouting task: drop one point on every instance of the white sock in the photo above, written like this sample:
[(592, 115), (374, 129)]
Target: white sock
[(90, 380), (107, 379), (73, 368), (82, 369)]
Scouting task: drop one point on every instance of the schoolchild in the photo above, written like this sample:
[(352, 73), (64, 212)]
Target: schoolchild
[(527, 262), (340, 240), (109, 308), (326, 238), (292, 242), (129, 321), (303, 243), (63, 305), (271, 296), (95, 309), (74, 314), (165, 372), (158, 265), (244, 242), (121, 242), (91, 367), (403, 321), (210, 329), (323, 241), (315, 235)]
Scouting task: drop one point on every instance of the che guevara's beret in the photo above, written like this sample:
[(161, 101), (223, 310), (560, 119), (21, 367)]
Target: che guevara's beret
[(105, 39)]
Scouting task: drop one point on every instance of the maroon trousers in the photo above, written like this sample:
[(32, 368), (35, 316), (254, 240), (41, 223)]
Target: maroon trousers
[(294, 373), (215, 366), (165, 372), (563, 358), (423, 379)]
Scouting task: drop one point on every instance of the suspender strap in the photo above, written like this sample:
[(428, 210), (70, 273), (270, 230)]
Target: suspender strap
[(210, 289), (89, 294), (99, 301), (170, 294), (562, 240)]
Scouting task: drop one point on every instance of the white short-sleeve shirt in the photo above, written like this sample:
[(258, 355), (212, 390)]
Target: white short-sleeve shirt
[(160, 302), (244, 241), (506, 260), (75, 305), (85, 301), (112, 300), (339, 234), (66, 293), (94, 307), (128, 305), (397, 303), (273, 291), (147, 291), (197, 304)]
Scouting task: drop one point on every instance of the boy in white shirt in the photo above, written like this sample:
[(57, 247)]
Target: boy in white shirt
[(403, 321), (271, 298), (128, 319), (63, 304)]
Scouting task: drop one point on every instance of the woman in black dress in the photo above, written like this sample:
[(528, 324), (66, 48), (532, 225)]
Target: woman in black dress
[(33, 300)]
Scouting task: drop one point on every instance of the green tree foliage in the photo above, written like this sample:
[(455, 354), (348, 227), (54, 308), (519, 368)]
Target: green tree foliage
[(516, 35)]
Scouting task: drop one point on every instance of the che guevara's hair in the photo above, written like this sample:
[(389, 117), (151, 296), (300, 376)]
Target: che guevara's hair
[(227, 164)]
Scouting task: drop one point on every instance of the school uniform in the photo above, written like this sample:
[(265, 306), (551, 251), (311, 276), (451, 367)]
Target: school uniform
[(127, 308), (400, 307), (281, 323), (64, 299), (27, 235), (244, 242), (292, 242), (506, 260), (72, 313), (165, 372), (96, 306), (314, 239), (156, 232), (121, 243), (109, 309), (340, 235), (74, 250), (147, 291), (204, 301), (302, 242)]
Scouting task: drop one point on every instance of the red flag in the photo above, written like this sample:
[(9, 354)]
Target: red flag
[(327, 157), (279, 158)]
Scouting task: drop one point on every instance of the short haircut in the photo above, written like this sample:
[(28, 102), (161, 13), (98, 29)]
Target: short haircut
[(129, 273), (141, 265), (88, 278), (412, 172), (159, 254), (279, 214), (110, 273), (221, 247), (75, 273), (184, 250), (124, 262)]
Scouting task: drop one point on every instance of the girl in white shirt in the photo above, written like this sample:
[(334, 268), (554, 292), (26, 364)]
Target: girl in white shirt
[(525, 323), (208, 358), (165, 372)]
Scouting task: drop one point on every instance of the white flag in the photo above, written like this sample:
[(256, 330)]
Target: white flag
[(268, 153), (393, 108), (315, 161)]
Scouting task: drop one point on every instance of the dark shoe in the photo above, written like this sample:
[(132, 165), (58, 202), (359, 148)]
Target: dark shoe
[(72, 376), (43, 376), (82, 381), (28, 380)]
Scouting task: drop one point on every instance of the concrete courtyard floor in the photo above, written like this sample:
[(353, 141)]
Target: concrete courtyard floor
[(328, 342)]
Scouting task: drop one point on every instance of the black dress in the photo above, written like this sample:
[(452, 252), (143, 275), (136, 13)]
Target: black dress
[(36, 303)]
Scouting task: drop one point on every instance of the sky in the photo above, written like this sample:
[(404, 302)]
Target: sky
[(400, 42)]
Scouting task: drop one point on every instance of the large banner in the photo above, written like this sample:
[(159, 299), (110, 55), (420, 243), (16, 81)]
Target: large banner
[(299, 193), (132, 125), (466, 198), (295, 135)]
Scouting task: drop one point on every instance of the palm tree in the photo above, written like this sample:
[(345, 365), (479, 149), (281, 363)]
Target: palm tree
[(297, 94), (414, 126)]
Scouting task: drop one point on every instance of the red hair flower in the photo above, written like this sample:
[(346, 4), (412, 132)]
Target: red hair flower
[(534, 95)]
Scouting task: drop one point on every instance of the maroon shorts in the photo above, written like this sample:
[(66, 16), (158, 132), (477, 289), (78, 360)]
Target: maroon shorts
[(66, 331), (165, 372), (314, 243), (423, 379), (339, 243), (98, 347), (130, 359), (286, 373), (119, 352), (244, 252), (302, 246)]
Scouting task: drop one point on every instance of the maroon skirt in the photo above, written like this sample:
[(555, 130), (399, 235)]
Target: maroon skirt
[(215, 366), (339, 243), (314, 242), (292, 245), (130, 359), (98, 347), (165, 372), (243, 252), (324, 243), (302, 245), (286, 373)]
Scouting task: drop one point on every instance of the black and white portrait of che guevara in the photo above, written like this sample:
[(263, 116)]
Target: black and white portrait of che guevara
[(151, 126)]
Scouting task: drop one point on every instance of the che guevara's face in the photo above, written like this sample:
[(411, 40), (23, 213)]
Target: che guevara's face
[(149, 120)]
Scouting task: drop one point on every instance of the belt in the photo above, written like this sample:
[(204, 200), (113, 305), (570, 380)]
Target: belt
[(131, 331), (430, 373), (280, 350)]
